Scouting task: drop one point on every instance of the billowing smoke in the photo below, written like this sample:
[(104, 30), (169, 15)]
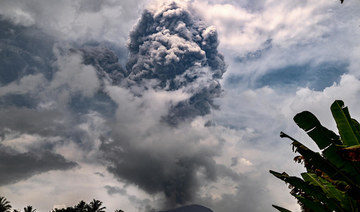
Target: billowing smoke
[(173, 72), (16, 166), (140, 116), (169, 49), (106, 63), (175, 48)]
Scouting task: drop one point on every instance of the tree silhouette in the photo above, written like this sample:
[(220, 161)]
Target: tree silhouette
[(95, 206), (81, 206), (4, 205), (29, 208), (68, 209)]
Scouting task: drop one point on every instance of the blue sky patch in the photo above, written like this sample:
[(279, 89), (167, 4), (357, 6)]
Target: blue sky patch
[(316, 77)]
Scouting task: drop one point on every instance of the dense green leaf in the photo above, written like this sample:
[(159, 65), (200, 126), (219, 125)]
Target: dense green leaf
[(314, 206), (344, 123), (356, 126), (310, 190), (312, 126), (332, 181), (330, 190), (316, 161), (333, 154), (306, 120)]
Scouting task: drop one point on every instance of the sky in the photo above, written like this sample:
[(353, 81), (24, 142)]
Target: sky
[(149, 105)]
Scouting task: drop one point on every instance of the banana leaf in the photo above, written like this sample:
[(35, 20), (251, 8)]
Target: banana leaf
[(348, 204), (309, 204), (322, 136), (345, 124), (316, 162), (333, 154), (310, 190)]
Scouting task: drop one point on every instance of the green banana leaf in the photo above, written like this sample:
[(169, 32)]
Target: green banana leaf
[(348, 204), (332, 180), (310, 190), (316, 161), (325, 138), (314, 206), (347, 130), (312, 126), (333, 154), (329, 189)]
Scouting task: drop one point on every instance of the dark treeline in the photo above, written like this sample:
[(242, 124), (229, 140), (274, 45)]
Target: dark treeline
[(93, 206)]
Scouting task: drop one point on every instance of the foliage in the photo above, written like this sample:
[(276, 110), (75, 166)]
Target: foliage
[(332, 180), (29, 208), (93, 206), (4, 205)]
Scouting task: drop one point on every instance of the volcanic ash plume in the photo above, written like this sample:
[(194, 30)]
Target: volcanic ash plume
[(177, 50), (173, 72)]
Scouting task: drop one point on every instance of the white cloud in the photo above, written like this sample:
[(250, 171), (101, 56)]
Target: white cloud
[(287, 23), (283, 33), (76, 20), (74, 77), (318, 102), (80, 184), (27, 84)]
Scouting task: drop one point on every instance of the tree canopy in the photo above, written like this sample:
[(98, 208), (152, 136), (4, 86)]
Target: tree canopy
[(93, 206)]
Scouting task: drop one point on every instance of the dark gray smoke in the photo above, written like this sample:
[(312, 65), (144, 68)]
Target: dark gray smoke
[(28, 46), (170, 50), (173, 176), (19, 166), (179, 51), (106, 63)]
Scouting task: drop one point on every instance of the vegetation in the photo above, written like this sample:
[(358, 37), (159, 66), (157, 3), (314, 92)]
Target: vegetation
[(93, 206), (29, 208), (332, 180), (4, 205)]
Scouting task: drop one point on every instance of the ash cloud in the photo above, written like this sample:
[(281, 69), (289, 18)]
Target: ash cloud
[(171, 52), (177, 50), (170, 79), (106, 63), (16, 166), (23, 51), (155, 172)]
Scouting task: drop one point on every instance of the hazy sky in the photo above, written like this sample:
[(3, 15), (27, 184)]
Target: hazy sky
[(149, 105)]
